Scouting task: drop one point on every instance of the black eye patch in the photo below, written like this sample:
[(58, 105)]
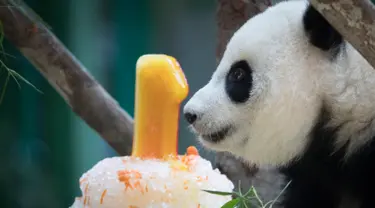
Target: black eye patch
[(238, 82)]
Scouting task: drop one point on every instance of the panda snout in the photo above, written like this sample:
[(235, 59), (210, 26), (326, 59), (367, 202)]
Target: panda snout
[(191, 113), (190, 117), (198, 110)]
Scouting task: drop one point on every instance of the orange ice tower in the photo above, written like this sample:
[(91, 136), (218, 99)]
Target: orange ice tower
[(161, 86)]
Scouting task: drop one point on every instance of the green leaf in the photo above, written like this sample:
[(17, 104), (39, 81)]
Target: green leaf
[(282, 191), (4, 89), (1, 37), (218, 192), (250, 192), (245, 204), (231, 204), (239, 187), (15, 74), (15, 79)]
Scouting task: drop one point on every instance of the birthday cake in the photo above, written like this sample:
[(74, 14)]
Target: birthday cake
[(153, 183), (155, 176)]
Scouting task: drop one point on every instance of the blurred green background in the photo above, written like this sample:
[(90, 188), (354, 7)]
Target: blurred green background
[(45, 147)]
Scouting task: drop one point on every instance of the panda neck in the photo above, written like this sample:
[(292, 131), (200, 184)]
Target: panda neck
[(324, 166), (349, 97), (333, 144)]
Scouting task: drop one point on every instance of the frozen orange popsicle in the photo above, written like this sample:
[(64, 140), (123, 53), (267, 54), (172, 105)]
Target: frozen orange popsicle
[(161, 86), (154, 175)]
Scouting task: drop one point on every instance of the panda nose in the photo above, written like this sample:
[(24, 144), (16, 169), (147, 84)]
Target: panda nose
[(190, 117)]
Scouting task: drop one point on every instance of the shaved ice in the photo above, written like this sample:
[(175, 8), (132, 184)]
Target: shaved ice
[(171, 182)]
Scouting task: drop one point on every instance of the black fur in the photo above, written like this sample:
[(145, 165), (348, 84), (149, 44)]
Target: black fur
[(321, 34), (321, 178), (239, 90)]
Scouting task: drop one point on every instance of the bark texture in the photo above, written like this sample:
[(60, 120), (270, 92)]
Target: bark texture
[(232, 14), (355, 20), (87, 98)]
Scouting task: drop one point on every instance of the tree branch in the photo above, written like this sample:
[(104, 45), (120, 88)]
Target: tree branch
[(230, 16), (86, 97), (354, 20)]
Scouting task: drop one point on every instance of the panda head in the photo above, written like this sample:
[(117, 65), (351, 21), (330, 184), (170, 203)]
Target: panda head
[(267, 92)]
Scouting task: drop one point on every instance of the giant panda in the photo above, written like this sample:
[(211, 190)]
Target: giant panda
[(291, 92)]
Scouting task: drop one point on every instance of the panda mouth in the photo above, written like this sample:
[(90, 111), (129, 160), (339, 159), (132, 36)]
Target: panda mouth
[(217, 136)]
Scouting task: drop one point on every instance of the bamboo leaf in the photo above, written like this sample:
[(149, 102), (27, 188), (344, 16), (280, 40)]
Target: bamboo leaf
[(218, 192), (232, 203)]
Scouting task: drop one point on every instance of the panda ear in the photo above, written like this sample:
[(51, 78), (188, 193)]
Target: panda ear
[(321, 34)]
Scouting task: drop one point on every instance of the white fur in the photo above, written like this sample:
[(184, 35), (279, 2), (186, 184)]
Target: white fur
[(291, 79)]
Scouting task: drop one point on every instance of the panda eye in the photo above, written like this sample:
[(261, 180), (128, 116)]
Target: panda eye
[(238, 82), (239, 71), (236, 75)]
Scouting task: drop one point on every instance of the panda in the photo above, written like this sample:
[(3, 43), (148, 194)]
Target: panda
[(292, 93)]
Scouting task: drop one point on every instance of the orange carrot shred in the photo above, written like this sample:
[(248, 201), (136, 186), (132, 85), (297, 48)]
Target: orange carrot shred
[(192, 151), (139, 187), (85, 201), (82, 180), (103, 195), (86, 188), (126, 175)]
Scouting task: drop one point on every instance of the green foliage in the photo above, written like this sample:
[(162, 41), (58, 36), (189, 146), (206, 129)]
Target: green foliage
[(248, 200), (9, 73)]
